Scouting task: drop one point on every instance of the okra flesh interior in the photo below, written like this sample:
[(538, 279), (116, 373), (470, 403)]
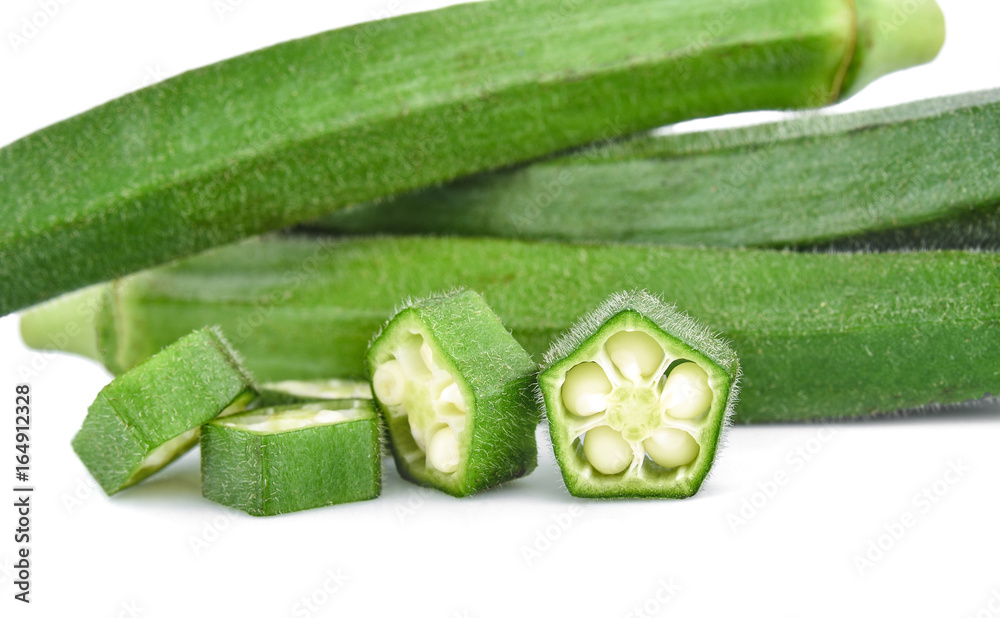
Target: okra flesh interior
[(314, 124), (634, 410), (285, 392), (281, 459), (455, 390), (818, 335)]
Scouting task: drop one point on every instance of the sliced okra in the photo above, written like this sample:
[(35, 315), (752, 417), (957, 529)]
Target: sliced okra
[(637, 396), (454, 388), (289, 458), (151, 415)]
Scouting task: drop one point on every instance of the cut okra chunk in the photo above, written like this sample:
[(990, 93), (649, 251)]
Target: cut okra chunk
[(151, 415), (637, 396), (281, 459), (455, 390), (287, 392)]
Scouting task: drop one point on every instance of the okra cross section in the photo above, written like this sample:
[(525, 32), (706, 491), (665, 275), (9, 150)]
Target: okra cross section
[(637, 396), (455, 388), (151, 415), (281, 459)]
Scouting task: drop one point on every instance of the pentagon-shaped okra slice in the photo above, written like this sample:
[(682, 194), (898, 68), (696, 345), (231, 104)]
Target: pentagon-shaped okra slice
[(151, 415), (289, 458), (637, 396), (455, 390)]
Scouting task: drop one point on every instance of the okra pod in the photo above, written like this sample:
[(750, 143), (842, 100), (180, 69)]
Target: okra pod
[(291, 132), (289, 458), (818, 335), (637, 396), (456, 392), (914, 176)]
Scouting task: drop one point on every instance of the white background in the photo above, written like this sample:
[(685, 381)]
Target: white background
[(161, 550)]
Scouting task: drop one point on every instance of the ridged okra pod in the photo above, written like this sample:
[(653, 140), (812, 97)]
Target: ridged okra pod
[(637, 396), (918, 176), (818, 335), (291, 132)]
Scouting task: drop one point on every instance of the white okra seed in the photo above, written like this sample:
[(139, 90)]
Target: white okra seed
[(635, 354), (687, 393), (585, 389), (452, 395), (607, 450), (442, 453), (670, 447), (389, 383)]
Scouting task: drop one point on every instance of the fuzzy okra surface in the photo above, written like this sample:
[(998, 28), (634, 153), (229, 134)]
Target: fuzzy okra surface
[(818, 335), (152, 414), (336, 118), (456, 392), (281, 459), (913, 176)]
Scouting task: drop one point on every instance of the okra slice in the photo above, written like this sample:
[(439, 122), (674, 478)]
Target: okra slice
[(287, 392), (454, 388), (289, 458), (637, 396), (151, 415)]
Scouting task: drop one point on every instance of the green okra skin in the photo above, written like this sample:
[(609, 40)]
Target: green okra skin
[(456, 392), (151, 415), (287, 392), (913, 176), (290, 458), (818, 335), (637, 396), (291, 132)]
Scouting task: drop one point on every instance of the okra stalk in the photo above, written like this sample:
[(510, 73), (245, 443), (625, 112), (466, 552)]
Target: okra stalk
[(288, 133), (456, 392), (637, 396), (913, 176), (818, 335), (152, 414), (289, 458)]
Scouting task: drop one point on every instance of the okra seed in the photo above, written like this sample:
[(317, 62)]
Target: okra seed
[(670, 447), (636, 355), (443, 452), (389, 383), (607, 450), (585, 389), (686, 393)]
